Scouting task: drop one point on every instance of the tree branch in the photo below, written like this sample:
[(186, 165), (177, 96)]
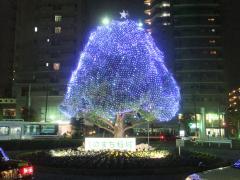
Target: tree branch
[(134, 125), (109, 130), (106, 122)]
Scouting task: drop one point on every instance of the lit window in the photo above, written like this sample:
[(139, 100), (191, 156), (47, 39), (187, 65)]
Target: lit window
[(148, 12), (56, 66), (147, 2), (58, 18), (35, 29), (58, 30), (213, 52), (4, 130), (165, 4), (47, 64), (165, 14), (148, 21), (212, 41), (211, 19), (166, 24)]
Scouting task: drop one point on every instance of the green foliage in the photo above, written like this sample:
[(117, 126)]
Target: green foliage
[(147, 116)]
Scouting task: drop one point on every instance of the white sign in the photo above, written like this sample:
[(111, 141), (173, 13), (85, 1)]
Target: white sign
[(182, 133), (179, 142), (122, 144)]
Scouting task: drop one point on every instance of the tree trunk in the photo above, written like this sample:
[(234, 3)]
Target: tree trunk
[(119, 126)]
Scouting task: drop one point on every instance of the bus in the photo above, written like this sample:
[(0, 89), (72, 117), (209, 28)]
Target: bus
[(10, 130)]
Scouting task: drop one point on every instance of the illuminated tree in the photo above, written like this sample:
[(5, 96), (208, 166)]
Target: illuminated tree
[(121, 72)]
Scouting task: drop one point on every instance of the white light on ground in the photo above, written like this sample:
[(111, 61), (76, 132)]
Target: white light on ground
[(138, 154)]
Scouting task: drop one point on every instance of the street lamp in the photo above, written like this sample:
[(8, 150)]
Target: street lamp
[(140, 24), (105, 21)]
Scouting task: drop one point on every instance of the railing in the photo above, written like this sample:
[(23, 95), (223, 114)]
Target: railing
[(218, 141)]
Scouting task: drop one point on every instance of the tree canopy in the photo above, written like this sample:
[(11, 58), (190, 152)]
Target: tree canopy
[(121, 70)]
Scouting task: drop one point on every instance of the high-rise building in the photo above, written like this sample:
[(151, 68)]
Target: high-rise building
[(233, 121), (198, 49), (49, 36), (158, 23), (7, 39)]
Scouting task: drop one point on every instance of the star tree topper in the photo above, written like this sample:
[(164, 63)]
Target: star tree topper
[(124, 14)]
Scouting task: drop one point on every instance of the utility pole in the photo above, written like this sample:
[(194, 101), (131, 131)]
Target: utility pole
[(29, 100), (219, 120), (195, 114), (46, 104), (148, 134)]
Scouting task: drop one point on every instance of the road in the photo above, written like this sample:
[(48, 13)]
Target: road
[(47, 176)]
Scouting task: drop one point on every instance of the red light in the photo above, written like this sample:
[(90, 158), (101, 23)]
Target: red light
[(161, 137), (26, 170)]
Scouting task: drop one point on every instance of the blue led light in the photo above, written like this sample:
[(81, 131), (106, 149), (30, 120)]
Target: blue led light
[(237, 164), (121, 70), (5, 157)]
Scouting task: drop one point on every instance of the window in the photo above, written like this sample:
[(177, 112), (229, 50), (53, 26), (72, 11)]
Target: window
[(32, 129), (56, 66), (58, 18), (35, 29), (213, 52), (212, 41), (9, 113), (49, 129), (165, 14), (165, 4), (4, 130), (211, 19), (58, 30)]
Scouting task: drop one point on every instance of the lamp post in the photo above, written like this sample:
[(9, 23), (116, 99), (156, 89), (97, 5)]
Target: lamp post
[(46, 104), (105, 21), (46, 99), (148, 133)]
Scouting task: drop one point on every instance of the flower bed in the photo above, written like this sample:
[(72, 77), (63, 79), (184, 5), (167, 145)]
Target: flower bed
[(155, 159)]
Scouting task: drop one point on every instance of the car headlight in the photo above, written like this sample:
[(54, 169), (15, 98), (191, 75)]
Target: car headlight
[(193, 177)]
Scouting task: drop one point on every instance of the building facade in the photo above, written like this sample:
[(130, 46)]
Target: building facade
[(194, 30), (233, 118), (198, 49), (7, 48), (49, 38)]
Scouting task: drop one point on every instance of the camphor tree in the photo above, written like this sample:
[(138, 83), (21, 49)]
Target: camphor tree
[(121, 73)]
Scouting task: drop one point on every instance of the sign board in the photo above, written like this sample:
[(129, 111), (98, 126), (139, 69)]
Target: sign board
[(182, 133), (121, 144), (179, 142)]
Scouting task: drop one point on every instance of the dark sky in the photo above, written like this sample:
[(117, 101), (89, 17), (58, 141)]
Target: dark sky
[(111, 8)]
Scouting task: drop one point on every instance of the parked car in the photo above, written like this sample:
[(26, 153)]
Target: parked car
[(14, 169), (222, 173)]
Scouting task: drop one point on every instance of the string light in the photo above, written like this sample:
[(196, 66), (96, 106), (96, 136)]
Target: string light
[(121, 70)]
